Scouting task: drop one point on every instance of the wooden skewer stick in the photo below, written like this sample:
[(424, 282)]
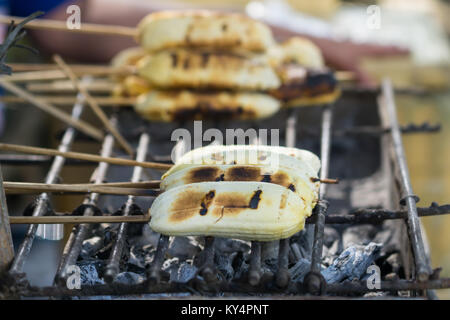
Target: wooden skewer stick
[(70, 100), (79, 69), (97, 85), (29, 187), (90, 28), (52, 110), (78, 219), (94, 106), (328, 181), (150, 184), (83, 156)]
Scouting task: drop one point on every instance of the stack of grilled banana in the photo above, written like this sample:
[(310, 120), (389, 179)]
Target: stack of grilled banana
[(246, 192), (209, 65)]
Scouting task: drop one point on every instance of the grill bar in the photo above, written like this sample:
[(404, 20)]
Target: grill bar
[(254, 272), (6, 243), (154, 272), (282, 276), (208, 269), (423, 269), (234, 287), (112, 267), (314, 281), (73, 246), (42, 203)]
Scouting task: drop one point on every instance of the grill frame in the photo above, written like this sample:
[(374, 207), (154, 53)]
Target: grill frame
[(420, 276)]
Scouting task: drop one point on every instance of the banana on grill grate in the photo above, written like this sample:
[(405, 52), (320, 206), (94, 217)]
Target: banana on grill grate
[(259, 193), (242, 210)]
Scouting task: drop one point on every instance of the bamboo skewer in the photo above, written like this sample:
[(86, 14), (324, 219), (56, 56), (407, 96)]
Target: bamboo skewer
[(96, 85), (58, 74), (29, 187), (78, 219), (94, 106), (70, 100), (89, 28), (52, 110), (79, 69), (82, 156)]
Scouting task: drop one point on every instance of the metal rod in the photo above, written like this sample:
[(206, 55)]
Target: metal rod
[(78, 235), (42, 201), (314, 281), (6, 243), (117, 289), (254, 273), (423, 269), (154, 272), (369, 216), (112, 267), (209, 271)]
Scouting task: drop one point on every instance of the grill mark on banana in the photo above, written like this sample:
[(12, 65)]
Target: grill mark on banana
[(244, 210)]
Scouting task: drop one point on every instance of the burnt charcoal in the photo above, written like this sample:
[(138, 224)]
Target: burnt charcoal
[(269, 250), (185, 272), (139, 257), (240, 265), (225, 245), (90, 247), (303, 242), (330, 236), (224, 263), (147, 237), (361, 235), (270, 265), (183, 247), (300, 269), (130, 278), (89, 272), (352, 263)]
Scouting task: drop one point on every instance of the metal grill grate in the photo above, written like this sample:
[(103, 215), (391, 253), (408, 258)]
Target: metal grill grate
[(423, 278)]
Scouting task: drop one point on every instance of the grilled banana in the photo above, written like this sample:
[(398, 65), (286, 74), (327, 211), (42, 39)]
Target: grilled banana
[(288, 177), (256, 154), (243, 210), (168, 29)]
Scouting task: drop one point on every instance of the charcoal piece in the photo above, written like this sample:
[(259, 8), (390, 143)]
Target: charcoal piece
[(183, 247), (185, 272), (330, 236), (140, 256), (130, 278), (352, 263), (361, 235), (90, 247), (300, 269), (89, 274), (240, 265), (269, 250), (228, 246), (224, 263), (270, 265), (303, 241), (148, 237)]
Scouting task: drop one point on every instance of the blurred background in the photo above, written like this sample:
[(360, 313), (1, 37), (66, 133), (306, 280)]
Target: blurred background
[(420, 26)]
